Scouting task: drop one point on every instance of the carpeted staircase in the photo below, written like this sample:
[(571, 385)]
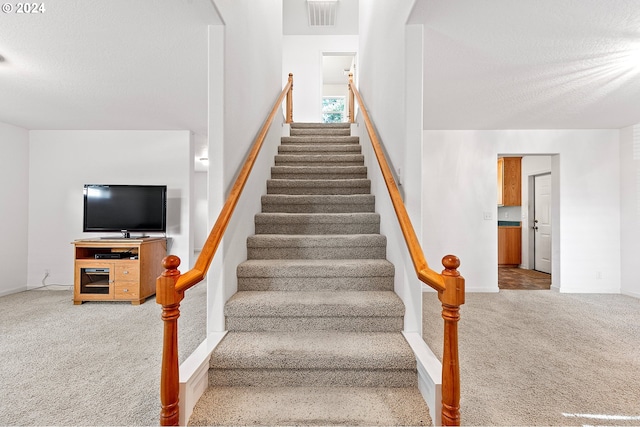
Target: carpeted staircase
[(315, 327)]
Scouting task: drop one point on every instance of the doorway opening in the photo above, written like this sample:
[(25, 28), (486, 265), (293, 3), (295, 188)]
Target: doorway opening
[(336, 67), (534, 217)]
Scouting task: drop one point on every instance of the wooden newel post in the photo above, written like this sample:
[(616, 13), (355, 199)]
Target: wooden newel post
[(169, 376), (290, 100), (451, 298), (351, 101)]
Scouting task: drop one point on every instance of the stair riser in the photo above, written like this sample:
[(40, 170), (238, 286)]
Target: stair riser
[(315, 283), (311, 228), (316, 132), (312, 125), (350, 140), (318, 204), (317, 208), (311, 377), (323, 252), (319, 159), (309, 323), (317, 190), (309, 175), (318, 187), (318, 172)]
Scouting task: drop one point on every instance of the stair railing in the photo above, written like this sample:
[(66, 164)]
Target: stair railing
[(449, 283), (171, 285)]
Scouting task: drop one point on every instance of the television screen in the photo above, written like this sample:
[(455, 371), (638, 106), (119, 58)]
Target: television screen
[(125, 208)]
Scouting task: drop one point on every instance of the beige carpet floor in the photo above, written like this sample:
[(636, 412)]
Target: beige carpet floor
[(545, 358), (528, 358), (92, 364)]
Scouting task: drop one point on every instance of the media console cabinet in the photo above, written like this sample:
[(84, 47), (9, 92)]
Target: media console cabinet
[(117, 269)]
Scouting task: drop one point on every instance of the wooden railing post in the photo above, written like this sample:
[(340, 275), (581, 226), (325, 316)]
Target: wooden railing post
[(451, 298), (352, 117), (289, 118), (169, 376)]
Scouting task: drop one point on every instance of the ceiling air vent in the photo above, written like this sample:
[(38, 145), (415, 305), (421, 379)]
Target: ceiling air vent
[(322, 13)]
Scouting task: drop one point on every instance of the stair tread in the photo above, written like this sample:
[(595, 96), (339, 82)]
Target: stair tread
[(315, 267), (320, 139), (353, 182), (304, 148), (314, 350), (324, 240), (314, 304), (302, 406)]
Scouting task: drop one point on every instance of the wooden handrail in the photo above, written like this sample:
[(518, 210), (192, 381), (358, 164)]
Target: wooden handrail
[(449, 283), (171, 285)]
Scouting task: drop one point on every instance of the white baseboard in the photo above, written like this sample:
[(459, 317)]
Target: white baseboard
[(194, 375), (589, 290), (429, 375), (13, 291), (631, 294)]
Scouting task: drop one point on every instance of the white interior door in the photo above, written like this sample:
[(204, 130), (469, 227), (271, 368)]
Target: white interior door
[(542, 223)]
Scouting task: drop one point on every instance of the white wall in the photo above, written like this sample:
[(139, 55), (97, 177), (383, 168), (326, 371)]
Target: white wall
[(302, 56), (247, 54), (61, 162), (381, 71), (630, 209), (14, 193), (336, 90), (460, 176)]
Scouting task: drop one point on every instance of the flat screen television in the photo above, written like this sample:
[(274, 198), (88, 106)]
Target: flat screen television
[(125, 208)]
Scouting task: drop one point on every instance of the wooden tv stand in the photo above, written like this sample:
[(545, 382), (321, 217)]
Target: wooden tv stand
[(130, 278)]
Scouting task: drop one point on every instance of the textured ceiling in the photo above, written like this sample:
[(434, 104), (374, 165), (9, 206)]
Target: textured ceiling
[(488, 64), (519, 64), (98, 64)]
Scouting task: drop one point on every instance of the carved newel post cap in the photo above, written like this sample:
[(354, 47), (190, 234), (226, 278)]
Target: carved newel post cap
[(451, 264), (170, 262)]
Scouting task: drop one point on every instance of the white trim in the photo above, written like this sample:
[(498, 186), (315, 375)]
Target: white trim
[(429, 375), (14, 290), (589, 290), (194, 375), (631, 294)]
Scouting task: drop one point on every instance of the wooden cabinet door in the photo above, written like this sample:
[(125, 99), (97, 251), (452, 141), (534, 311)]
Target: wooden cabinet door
[(512, 181), (509, 246), (93, 280)]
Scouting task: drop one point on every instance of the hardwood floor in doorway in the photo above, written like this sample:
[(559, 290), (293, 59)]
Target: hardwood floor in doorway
[(519, 278)]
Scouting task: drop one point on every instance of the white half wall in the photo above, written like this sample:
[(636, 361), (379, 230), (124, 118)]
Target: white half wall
[(302, 56), (14, 193), (200, 208), (630, 209), (460, 176), (61, 162)]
